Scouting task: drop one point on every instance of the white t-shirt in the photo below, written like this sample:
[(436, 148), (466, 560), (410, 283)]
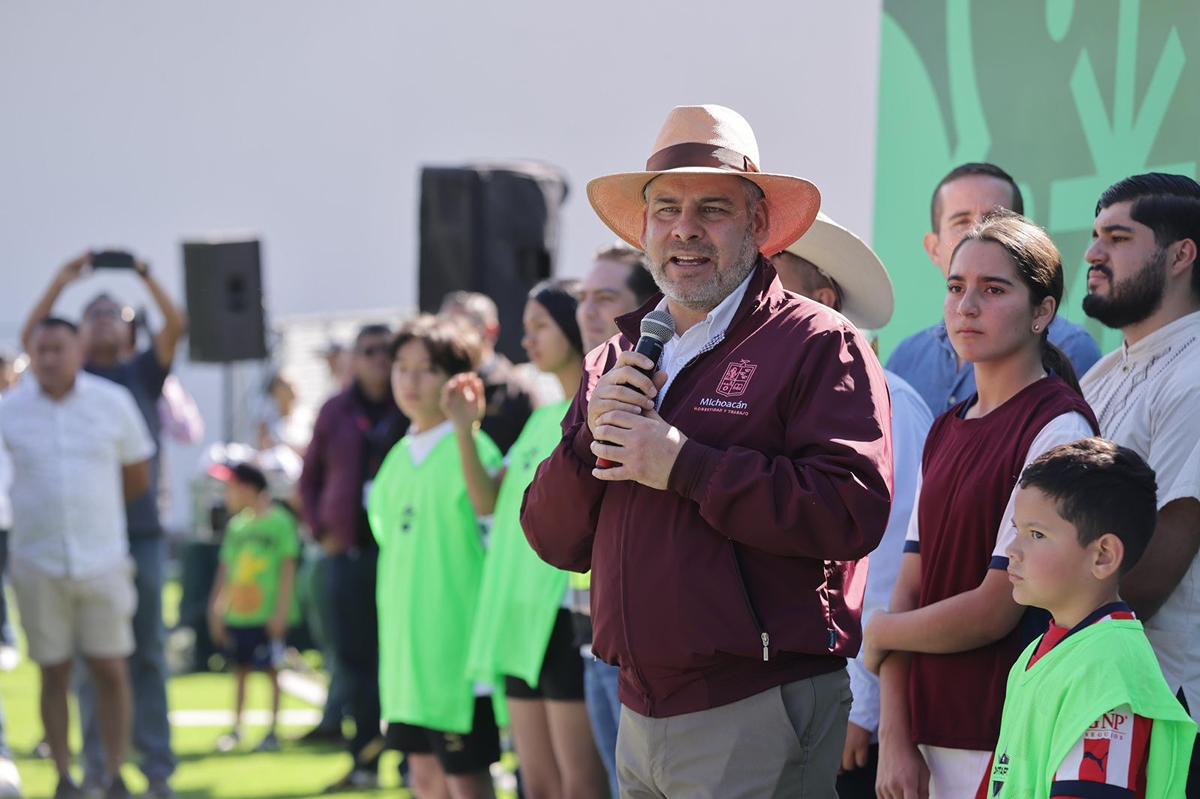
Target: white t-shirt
[(1147, 397), (67, 494), (1187, 484)]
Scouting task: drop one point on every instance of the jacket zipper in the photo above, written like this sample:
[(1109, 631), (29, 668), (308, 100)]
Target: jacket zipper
[(763, 635)]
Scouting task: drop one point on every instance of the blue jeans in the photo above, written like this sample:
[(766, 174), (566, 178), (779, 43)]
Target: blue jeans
[(147, 674), (351, 592), (318, 612), (604, 710)]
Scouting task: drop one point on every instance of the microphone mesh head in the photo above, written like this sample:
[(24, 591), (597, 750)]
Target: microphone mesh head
[(658, 325)]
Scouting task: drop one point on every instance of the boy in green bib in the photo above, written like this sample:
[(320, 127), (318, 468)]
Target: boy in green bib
[(251, 604), (523, 637), (431, 552), (1087, 711)]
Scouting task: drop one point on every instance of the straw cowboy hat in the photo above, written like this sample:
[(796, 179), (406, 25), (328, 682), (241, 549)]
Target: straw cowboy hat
[(867, 296), (706, 140)]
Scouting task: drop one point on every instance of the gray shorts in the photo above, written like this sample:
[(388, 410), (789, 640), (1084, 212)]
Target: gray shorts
[(66, 616)]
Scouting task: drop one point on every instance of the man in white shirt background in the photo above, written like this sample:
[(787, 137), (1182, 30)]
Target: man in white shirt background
[(79, 450), (1143, 280)]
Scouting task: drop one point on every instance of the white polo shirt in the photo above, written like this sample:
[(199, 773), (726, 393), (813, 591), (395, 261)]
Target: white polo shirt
[(1147, 397), (67, 496)]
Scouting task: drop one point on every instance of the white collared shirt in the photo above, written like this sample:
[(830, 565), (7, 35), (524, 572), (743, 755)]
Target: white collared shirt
[(700, 337), (67, 495), (1147, 397)]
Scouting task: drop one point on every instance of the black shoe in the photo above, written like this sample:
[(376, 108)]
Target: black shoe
[(321, 735), (117, 789), (67, 789)]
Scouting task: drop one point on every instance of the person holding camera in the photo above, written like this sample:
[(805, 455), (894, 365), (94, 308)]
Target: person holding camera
[(109, 352)]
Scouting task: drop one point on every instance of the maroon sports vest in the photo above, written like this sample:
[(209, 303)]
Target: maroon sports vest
[(969, 469)]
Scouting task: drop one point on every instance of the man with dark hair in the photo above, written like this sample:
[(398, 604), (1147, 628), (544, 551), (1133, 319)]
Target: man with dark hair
[(1144, 281), (80, 452), (618, 282), (105, 335), (509, 390), (718, 502), (354, 431), (926, 359)]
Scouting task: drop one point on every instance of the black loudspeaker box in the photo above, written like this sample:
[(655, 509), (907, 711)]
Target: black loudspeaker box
[(225, 301), (492, 229)]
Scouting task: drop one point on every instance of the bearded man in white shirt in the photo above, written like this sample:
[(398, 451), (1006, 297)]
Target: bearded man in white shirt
[(80, 449), (1143, 280)]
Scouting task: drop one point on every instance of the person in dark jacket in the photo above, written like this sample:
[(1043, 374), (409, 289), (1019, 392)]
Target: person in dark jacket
[(750, 476), (354, 431), (510, 391)]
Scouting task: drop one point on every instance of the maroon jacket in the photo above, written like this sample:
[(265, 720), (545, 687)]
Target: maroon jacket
[(339, 461), (741, 575)]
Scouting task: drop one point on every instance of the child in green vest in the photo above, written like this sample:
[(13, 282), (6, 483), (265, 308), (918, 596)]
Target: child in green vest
[(431, 553), (523, 636), (251, 601), (1087, 711)]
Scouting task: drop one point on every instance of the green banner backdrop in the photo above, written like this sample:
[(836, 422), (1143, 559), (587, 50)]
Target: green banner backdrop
[(1069, 97)]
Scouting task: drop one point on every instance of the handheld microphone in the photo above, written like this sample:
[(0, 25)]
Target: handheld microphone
[(657, 329)]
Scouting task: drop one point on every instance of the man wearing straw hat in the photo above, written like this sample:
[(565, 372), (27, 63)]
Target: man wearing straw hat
[(836, 268), (748, 477)]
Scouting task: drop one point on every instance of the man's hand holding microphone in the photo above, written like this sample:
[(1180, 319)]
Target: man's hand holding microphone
[(632, 442)]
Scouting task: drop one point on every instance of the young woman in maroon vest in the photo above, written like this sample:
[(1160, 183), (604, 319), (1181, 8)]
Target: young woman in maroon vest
[(945, 648)]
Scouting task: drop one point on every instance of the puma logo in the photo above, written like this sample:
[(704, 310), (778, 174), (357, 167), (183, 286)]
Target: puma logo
[(1093, 756)]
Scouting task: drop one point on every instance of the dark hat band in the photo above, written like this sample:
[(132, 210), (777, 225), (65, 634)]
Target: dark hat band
[(699, 154)]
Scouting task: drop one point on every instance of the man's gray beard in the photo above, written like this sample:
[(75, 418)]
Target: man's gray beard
[(726, 281), (1134, 299)]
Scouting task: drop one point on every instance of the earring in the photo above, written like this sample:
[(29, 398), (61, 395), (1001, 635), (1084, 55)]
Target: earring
[(1037, 328)]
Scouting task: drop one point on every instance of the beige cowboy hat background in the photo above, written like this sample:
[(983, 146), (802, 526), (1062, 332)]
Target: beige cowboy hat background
[(706, 139), (868, 299)]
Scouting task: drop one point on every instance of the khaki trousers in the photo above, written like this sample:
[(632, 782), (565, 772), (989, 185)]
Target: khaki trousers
[(783, 742)]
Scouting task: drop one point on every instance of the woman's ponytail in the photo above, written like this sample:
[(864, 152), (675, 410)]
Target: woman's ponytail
[(1055, 361)]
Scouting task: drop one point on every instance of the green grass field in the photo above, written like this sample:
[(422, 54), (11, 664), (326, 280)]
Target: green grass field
[(297, 771)]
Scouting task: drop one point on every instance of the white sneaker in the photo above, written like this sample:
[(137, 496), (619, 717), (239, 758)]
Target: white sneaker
[(10, 658), (10, 780)]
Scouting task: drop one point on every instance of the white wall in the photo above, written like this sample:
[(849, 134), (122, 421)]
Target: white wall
[(137, 123)]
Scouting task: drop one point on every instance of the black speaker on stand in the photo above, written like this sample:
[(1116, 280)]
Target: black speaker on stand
[(492, 229), (227, 322)]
